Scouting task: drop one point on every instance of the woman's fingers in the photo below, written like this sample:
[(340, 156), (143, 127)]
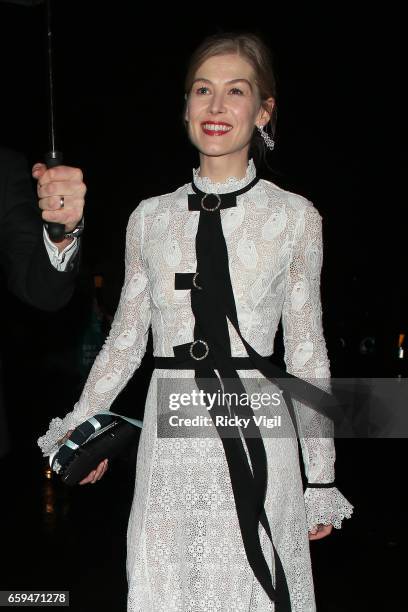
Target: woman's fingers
[(100, 470), (96, 474), (320, 531), (105, 468), (69, 432), (88, 478)]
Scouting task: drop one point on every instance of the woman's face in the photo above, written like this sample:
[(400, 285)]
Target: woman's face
[(223, 106)]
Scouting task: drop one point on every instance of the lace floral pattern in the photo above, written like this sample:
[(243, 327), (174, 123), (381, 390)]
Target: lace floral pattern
[(232, 184), (326, 506), (185, 549)]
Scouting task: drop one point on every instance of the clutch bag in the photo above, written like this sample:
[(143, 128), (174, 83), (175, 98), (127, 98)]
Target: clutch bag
[(102, 436)]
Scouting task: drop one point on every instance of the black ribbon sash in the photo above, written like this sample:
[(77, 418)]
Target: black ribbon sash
[(213, 303)]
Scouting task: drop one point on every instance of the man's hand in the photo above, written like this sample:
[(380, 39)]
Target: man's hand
[(320, 531), (54, 183)]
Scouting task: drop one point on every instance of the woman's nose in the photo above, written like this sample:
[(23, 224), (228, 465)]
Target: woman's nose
[(217, 104)]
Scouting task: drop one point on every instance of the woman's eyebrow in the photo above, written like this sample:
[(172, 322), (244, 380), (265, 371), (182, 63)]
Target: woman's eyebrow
[(201, 80), (228, 82), (241, 81)]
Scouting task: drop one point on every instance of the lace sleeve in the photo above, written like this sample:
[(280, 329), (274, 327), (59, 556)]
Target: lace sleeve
[(124, 347), (306, 357)]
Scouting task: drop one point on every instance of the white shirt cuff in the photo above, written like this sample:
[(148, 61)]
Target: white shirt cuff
[(58, 259)]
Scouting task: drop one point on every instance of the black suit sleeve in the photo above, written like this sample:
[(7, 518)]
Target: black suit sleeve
[(23, 255)]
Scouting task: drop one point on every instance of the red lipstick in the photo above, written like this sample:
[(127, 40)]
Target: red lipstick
[(216, 128)]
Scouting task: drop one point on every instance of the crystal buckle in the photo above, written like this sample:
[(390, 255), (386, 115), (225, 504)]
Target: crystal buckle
[(216, 206), (194, 281), (206, 348)]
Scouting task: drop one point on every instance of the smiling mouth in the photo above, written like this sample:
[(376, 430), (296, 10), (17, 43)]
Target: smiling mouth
[(216, 129)]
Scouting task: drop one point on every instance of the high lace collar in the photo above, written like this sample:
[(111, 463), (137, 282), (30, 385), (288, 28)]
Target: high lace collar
[(204, 183)]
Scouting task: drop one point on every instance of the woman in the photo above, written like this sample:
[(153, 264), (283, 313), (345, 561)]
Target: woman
[(213, 274)]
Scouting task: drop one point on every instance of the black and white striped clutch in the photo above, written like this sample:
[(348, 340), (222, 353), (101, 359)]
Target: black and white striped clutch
[(100, 437)]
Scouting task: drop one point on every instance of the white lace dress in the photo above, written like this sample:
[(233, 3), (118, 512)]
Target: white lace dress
[(185, 551)]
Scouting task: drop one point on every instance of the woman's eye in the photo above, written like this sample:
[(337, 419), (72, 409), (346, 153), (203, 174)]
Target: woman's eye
[(237, 91), (202, 90)]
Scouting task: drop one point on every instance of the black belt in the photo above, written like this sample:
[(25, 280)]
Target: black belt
[(189, 363)]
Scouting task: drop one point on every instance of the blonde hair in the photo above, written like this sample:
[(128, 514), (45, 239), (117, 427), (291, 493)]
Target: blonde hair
[(254, 50)]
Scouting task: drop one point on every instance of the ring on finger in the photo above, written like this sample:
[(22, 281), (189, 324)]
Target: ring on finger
[(62, 202)]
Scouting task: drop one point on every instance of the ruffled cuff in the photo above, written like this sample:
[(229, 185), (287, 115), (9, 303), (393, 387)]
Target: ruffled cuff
[(326, 506), (57, 430), (59, 427)]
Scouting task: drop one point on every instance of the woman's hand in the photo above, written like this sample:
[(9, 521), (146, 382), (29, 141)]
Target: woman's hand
[(95, 474), (320, 531), (62, 440)]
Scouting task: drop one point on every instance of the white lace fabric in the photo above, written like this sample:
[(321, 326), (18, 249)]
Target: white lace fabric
[(231, 184), (326, 506), (185, 549)]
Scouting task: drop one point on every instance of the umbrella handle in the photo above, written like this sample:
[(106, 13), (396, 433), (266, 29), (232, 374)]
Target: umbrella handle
[(56, 231)]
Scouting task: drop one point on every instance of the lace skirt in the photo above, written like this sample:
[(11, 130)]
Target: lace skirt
[(184, 546)]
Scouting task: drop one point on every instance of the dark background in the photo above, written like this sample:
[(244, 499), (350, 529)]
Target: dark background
[(119, 95), (119, 74)]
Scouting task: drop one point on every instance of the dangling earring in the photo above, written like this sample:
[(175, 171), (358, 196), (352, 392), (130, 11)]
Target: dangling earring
[(270, 143)]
